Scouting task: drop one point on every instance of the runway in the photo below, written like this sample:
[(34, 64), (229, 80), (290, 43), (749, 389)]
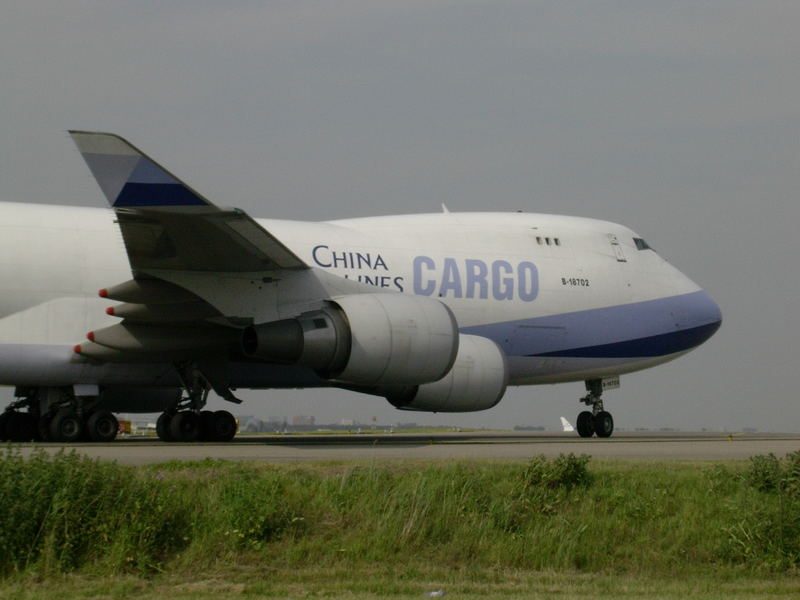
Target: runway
[(368, 447)]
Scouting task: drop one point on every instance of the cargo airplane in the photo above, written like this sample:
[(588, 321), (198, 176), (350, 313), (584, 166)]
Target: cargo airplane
[(433, 312)]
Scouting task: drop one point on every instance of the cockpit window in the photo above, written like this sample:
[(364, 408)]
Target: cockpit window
[(641, 244)]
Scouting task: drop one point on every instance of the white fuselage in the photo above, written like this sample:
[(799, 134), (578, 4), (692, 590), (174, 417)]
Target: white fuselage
[(541, 286)]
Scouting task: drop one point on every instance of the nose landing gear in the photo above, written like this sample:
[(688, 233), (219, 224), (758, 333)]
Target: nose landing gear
[(597, 422)]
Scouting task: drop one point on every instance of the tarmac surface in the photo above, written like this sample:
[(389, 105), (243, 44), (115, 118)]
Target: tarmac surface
[(365, 447)]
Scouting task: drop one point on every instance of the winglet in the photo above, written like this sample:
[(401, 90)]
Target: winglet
[(128, 177)]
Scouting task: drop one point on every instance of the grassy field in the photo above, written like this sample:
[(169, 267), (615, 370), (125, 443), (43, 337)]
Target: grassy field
[(564, 527)]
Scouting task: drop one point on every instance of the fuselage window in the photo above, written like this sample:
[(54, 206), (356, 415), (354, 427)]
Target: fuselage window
[(548, 241), (641, 244)]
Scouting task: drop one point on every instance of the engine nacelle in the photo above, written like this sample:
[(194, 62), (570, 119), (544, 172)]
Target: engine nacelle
[(364, 339), (477, 381)]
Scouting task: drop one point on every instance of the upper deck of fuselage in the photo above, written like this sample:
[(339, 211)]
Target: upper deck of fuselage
[(487, 232), (521, 220)]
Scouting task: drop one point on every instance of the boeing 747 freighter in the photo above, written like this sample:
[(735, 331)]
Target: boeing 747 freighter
[(433, 312)]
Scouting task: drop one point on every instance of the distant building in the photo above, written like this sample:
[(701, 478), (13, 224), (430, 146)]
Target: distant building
[(303, 420)]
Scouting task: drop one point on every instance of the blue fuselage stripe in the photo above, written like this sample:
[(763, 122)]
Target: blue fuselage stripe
[(641, 329), (656, 345)]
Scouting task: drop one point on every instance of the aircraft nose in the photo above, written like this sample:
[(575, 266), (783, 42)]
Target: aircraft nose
[(701, 317)]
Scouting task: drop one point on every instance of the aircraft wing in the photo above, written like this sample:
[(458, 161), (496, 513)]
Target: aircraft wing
[(166, 224), (167, 227)]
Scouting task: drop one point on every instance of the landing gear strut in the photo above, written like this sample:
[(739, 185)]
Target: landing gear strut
[(598, 421)]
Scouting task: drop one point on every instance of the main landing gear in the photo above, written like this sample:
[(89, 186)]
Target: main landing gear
[(597, 421), (186, 421), (56, 415), (189, 425)]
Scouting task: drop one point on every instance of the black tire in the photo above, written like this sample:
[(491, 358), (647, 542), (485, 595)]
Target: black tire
[(43, 425), (206, 426), (185, 426), (20, 427), (162, 427), (225, 426), (585, 424), (3, 421), (603, 424), (66, 427), (102, 426)]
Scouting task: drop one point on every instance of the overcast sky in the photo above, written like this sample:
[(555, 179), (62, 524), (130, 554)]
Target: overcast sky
[(678, 119)]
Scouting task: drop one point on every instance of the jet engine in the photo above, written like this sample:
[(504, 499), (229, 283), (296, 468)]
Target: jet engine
[(364, 339), (477, 381)]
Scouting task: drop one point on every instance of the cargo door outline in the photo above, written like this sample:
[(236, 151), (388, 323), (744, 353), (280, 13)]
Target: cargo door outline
[(617, 248)]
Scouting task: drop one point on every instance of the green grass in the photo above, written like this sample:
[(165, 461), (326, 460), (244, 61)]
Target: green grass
[(605, 529), (252, 581)]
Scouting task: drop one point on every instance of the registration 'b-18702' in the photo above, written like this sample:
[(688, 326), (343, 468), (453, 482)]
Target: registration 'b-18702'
[(433, 312)]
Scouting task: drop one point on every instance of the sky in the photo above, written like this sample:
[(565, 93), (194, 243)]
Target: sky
[(680, 119)]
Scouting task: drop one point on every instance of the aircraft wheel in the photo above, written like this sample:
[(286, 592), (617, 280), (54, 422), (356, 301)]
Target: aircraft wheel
[(3, 421), (185, 426), (102, 426), (224, 426), (162, 427), (206, 426), (585, 424), (20, 427), (66, 426), (43, 426), (603, 424)]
